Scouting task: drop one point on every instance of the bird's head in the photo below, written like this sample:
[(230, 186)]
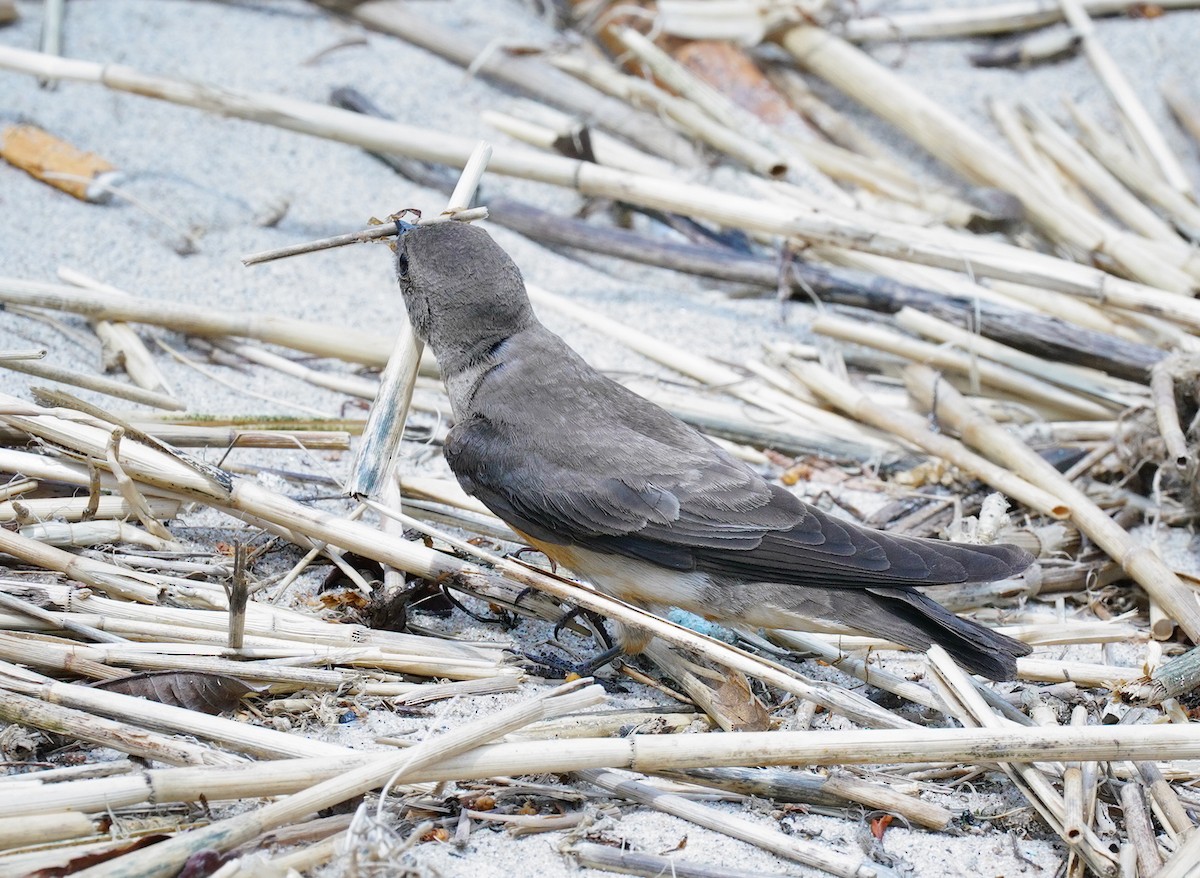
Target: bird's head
[(462, 291)]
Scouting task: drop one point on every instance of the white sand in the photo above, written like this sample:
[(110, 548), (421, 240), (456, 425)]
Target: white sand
[(217, 176)]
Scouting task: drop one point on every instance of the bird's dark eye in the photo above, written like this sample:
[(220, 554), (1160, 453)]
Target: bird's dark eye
[(401, 263)]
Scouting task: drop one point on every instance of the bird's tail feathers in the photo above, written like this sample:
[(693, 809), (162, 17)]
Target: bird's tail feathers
[(922, 621)]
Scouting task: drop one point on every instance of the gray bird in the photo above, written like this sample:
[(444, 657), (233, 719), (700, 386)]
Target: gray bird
[(638, 503)]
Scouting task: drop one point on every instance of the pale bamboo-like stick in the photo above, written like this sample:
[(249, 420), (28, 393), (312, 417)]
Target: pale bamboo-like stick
[(83, 725), (477, 53), (72, 508), (1095, 676), (11, 602), (95, 383), (43, 828), (1064, 307), (994, 374), (969, 707), (67, 657), (1184, 108), (319, 339), (1097, 179), (1112, 152), (1141, 126), (1009, 121), (200, 436), (691, 87), (167, 857), (639, 752), (1182, 863), (1166, 413), (968, 21), (1139, 828), (1140, 562), (95, 533), (686, 114), (135, 357), (791, 847), (912, 428), (86, 570), (552, 128), (970, 152), (380, 441), (928, 246), (254, 740), (1074, 822), (833, 789), (1093, 382), (351, 385), (1175, 818)]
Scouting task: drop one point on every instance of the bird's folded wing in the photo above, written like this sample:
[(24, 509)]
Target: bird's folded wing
[(694, 507)]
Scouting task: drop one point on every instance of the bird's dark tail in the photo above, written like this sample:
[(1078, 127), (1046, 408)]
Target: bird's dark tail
[(921, 621)]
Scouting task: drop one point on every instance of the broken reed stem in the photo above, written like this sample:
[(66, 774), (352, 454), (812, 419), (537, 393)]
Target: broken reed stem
[(848, 228), (381, 437), (967, 705), (911, 427), (107, 386), (1141, 562), (319, 339), (970, 152), (373, 233), (644, 753), (997, 18), (994, 374), (1166, 413), (793, 848), (84, 725), (1142, 128), (362, 236), (167, 857)]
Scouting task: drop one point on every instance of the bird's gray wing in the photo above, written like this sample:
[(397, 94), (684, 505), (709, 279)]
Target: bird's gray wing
[(605, 469)]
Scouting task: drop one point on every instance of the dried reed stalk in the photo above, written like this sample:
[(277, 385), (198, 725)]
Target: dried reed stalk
[(314, 338), (848, 228), (1069, 155), (1121, 393), (95, 383), (791, 847), (968, 21), (969, 151), (638, 752), (84, 725), (911, 427), (528, 74), (1147, 137), (167, 857)]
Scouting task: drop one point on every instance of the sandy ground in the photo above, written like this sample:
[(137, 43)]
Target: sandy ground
[(218, 178)]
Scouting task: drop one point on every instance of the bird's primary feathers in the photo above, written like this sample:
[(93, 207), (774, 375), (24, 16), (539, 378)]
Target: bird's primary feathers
[(641, 504)]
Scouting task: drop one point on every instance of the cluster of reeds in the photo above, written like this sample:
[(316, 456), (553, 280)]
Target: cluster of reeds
[(945, 365)]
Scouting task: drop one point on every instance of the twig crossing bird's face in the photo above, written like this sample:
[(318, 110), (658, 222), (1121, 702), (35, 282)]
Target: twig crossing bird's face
[(463, 293)]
